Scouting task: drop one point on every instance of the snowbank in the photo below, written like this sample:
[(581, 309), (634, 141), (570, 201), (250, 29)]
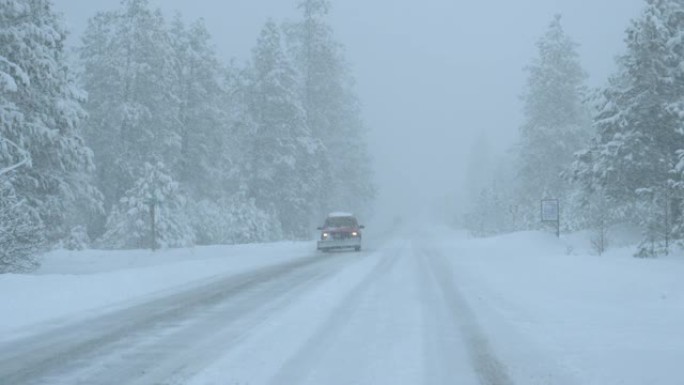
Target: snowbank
[(612, 319), (79, 284)]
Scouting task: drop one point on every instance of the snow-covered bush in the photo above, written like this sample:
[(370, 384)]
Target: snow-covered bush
[(78, 239), (489, 214), (248, 223), (210, 223), (234, 220), (154, 196)]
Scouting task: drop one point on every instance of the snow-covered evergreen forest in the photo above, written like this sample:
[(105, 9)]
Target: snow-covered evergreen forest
[(145, 121), (611, 156), (142, 136)]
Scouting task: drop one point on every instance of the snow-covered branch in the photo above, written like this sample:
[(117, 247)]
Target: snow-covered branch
[(25, 155)]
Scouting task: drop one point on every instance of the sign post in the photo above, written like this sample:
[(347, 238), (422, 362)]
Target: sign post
[(550, 213), (153, 203)]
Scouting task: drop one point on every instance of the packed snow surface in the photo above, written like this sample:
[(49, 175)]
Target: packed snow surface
[(422, 308)]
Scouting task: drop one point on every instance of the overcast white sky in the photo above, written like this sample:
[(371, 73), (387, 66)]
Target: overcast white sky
[(431, 74)]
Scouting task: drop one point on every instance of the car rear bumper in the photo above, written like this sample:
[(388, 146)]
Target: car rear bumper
[(339, 244)]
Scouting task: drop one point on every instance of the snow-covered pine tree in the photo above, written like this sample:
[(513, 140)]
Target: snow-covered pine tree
[(128, 72), (639, 125), (492, 209), (247, 222), (210, 222), (203, 119), (281, 146), (41, 112), (557, 123), (479, 169), (486, 213), (332, 110), (21, 231), (18, 223), (130, 223), (235, 219), (208, 106), (675, 107), (350, 160)]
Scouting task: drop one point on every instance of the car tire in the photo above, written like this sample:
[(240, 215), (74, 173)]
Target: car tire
[(357, 248)]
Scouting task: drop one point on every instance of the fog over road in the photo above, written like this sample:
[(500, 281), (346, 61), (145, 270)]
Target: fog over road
[(392, 315)]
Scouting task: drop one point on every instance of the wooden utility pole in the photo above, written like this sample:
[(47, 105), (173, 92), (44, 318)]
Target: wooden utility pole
[(153, 202), (667, 224), (153, 224)]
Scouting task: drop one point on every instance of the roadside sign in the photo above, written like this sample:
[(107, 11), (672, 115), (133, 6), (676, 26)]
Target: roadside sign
[(550, 210)]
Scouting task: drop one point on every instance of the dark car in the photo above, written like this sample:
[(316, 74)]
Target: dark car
[(340, 231)]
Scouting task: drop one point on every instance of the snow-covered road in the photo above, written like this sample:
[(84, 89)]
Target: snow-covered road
[(165, 338), (418, 310), (390, 316)]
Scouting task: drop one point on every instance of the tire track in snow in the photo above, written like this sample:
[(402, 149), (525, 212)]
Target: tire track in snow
[(446, 359), (312, 352), (488, 367), (509, 329)]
